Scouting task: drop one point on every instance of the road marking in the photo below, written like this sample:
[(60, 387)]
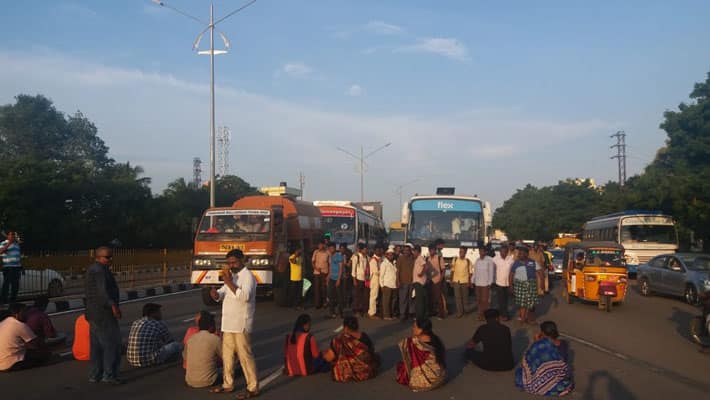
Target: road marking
[(129, 301), (188, 319), (338, 329), (270, 378), (66, 353), (595, 346)]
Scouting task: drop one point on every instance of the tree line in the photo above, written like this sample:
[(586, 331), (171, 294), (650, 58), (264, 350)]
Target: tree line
[(61, 191), (676, 182)]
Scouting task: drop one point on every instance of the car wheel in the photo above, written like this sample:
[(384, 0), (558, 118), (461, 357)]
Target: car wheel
[(645, 287), (691, 295), (55, 288)]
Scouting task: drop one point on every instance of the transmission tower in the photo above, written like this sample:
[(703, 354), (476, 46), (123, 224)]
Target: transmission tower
[(196, 172), (224, 137), (620, 155)]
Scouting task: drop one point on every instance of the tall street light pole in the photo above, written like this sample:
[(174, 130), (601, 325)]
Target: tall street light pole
[(402, 186), (362, 159), (211, 52)]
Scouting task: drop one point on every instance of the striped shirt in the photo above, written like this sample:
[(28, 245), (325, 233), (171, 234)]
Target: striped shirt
[(11, 257)]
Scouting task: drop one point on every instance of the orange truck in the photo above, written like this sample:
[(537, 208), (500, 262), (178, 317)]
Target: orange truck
[(264, 227)]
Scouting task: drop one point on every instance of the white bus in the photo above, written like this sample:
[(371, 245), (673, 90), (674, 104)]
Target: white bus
[(457, 220), (343, 222), (644, 234)]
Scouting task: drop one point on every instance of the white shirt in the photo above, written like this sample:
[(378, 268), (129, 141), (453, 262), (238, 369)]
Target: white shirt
[(484, 271), (388, 274), (503, 269), (13, 336), (359, 263), (375, 268), (238, 307)]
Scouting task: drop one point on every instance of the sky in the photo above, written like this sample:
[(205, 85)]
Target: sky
[(481, 95)]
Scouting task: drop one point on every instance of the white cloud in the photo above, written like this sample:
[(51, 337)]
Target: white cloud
[(354, 90), (139, 113), (297, 69), (447, 47), (383, 28)]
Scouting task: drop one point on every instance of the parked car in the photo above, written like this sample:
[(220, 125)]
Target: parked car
[(557, 256), (35, 282), (680, 274)]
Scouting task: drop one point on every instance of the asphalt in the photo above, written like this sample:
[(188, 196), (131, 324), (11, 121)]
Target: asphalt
[(640, 350)]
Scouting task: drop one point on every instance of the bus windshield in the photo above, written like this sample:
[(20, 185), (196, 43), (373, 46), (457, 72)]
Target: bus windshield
[(396, 236), (457, 222), (340, 229), (234, 225), (665, 234)]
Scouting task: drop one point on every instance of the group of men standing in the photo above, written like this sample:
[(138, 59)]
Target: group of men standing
[(403, 281)]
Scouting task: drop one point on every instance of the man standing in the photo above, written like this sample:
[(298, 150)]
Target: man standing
[(388, 283), (375, 281), (526, 279), (11, 268), (103, 313), (346, 283), (149, 340), (438, 300), (484, 271), (360, 272), (405, 267), (335, 292), (295, 284), (321, 264), (461, 270), (537, 254), (419, 278), (238, 297), (503, 261)]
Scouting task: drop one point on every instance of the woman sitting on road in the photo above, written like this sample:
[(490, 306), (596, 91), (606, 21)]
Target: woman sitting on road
[(544, 370), (352, 354), (301, 351), (423, 365)]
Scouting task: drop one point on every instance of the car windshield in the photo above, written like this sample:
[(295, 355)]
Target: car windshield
[(340, 229), (557, 255), (234, 225), (609, 258), (649, 233), (696, 262)]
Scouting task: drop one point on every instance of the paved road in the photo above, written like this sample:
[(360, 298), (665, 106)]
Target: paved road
[(638, 351)]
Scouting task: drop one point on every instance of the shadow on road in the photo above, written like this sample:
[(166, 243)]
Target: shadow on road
[(603, 386), (681, 319), (521, 341)]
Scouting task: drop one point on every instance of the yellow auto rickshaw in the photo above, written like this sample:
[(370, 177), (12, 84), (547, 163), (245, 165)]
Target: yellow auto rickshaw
[(595, 271)]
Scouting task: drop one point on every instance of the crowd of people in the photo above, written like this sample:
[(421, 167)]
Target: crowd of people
[(390, 282)]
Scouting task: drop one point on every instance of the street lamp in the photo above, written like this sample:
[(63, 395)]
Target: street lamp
[(362, 159), (402, 186), (210, 26)]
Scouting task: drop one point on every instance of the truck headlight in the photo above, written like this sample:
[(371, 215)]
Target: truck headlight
[(259, 261), (202, 262)]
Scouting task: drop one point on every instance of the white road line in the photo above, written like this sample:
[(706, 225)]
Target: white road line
[(66, 353), (270, 378), (595, 346), (188, 319), (130, 301), (338, 329)]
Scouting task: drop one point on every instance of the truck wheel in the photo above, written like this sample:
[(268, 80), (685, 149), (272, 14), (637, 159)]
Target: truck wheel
[(206, 298)]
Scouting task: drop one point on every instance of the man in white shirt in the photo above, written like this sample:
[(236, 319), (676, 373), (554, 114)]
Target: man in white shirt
[(503, 260), (238, 297), (419, 277), (484, 271), (374, 281), (388, 283), (360, 272), (20, 348)]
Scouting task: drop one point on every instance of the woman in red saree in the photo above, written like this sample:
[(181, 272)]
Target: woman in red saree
[(352, 354), (423, 365)]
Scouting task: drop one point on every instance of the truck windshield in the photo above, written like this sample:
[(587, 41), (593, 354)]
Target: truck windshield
[(340, 229), (234, 225), (665, 234)]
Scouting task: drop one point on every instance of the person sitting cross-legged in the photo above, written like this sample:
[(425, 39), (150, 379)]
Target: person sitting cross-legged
[(20, 348), (149, 341), (497, 354), (202, 354)]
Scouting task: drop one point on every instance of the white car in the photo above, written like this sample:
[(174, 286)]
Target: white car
[(35, 283)]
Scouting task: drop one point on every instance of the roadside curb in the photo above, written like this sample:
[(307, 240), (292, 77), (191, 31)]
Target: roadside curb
[(125, 294)]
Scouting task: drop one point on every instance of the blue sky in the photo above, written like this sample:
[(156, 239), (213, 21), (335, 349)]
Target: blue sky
[(485, 96)]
